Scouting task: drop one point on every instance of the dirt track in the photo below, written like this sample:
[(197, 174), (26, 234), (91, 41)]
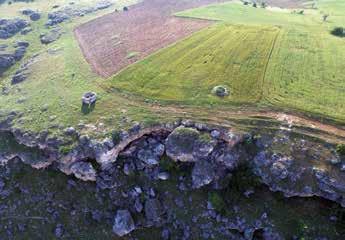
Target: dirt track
[(112, 42), (286, 3)]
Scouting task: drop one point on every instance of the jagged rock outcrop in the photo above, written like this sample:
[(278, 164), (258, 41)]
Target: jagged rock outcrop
[(298, 167), (69, 12), (8, 59), (291, 165), (10, 27), (34, 15)]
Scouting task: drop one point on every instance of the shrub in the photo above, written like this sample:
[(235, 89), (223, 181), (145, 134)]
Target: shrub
[(116, 136), (217, 202), (341, 149), (338, 31), (125, 9)]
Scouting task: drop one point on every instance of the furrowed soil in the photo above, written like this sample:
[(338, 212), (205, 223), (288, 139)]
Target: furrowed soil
[(112, 42)]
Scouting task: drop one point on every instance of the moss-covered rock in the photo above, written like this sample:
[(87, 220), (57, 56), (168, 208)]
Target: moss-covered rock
[(188, 145)]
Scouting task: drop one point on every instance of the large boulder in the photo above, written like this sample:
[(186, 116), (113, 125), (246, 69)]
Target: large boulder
[(35, 16), (20, 76), (188, 144), (151, 152), (301, 168), (203, 173), (153, 210), (123, 223), (19, 53), (50, 37), (6, 61), (84, 171)]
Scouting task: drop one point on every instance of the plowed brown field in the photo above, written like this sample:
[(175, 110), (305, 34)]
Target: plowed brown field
[(114, 41)]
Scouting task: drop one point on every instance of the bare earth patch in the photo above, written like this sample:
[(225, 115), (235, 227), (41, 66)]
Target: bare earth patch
[(112, 42)]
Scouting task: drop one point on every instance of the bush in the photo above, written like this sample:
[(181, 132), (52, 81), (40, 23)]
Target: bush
[(341, 149), (338, 31), (125, 9), (217, 202)]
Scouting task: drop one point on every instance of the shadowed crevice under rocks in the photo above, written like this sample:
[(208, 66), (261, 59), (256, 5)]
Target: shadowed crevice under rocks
[(139, 207)]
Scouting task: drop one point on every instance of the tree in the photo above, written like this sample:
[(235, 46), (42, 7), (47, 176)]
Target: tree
[(338, 31), (324, 17)]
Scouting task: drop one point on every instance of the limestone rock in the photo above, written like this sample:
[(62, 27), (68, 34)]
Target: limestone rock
[(188, 144), (84, 171), (123, 223), (50, 37), (10, 27)]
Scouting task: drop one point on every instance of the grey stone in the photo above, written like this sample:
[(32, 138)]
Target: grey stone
[(163, 176), (35, 16), (215, 134), (20, 76), (138, 205), (6, 61), (50, 37), (26, 30), (59, 231), (123, 223), (165, 234), (10, 27), (70, 131), (153, 210), (84, 171), (203, 173)]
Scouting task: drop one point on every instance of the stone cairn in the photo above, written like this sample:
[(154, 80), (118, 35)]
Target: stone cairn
[(89, 98)]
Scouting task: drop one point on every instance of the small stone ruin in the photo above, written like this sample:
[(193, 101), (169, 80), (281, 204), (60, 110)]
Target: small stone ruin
[(220, 91), (89, 98)]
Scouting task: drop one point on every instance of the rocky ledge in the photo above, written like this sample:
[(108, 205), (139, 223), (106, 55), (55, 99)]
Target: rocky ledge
[(284, 161)]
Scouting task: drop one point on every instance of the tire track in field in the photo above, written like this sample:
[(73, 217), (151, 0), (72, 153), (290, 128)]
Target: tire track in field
[(267, 63)]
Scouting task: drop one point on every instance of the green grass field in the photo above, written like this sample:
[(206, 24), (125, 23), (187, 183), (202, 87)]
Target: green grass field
[(268, 57), (52, 93), (189, 70)]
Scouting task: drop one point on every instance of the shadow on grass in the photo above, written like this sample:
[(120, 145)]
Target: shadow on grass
[(87, 108)]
